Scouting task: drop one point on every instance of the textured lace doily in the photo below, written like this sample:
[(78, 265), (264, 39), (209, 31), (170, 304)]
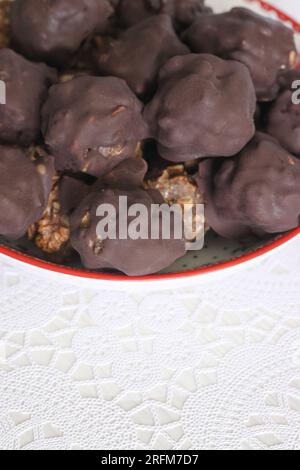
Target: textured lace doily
[(213, 366)]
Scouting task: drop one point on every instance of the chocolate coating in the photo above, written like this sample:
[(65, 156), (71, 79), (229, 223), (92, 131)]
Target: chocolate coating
[(132, 257), (139, 53), (25, 185), (91, 124), (26, 89), (182, 12), (71, 191), (129, 174), (257, 192), (52, 30), (283, 119), (264, 45), (197, 111)]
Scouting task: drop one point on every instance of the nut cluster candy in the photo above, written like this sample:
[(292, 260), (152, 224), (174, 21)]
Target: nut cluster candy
[(256, 192), (283, 119), (182, 12), (91, 124), (149, 45), (106, 100), (133, 257), (27, 85), (264, 45), (197, 111), (25, 185), (53, 30)]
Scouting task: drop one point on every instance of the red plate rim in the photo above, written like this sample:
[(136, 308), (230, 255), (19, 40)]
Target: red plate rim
[(272, 245)]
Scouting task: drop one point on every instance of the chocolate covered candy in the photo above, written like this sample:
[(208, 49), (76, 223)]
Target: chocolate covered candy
[(26, 86), (53, 30), (283, 118), (139, 53), (91, 124), (134, 257), (264, 45), (204, 107), (25, 185), (182, 12), (255, 193)]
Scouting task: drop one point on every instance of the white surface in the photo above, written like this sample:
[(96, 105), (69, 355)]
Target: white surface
[(212, 365)]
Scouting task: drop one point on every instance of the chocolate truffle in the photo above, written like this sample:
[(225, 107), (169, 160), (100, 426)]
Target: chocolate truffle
[(134, 257), (182, 12), (264, 45), (5, 10), (139, 53), (283, 119), (26, 89), (255, 193), (197, 111), (53, 30), (91, 124), (25, 185)]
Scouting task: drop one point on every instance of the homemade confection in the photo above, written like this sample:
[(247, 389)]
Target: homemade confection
[(255, 193), (264, 45), (283, 119), (133, 257), (26, 89), (53, 30), (149, 45), (25, 185), (197, 111), (182, 12), (110, 99), (91, 124)]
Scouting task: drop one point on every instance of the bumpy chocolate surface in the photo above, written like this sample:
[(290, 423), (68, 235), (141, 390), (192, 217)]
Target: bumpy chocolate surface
[(204, 107), (132, 257), (257, 192), (52, 30), (129, 174), (139, 53), (26, 89), (91, 124), (25, 185), (264, 45), (283, 119), (182, 12)]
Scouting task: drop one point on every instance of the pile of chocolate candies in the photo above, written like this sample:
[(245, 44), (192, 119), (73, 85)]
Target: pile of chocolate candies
[(159, 101)]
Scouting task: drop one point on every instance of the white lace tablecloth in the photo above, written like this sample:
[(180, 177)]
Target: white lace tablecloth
[(211, 366), (214, 366)]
